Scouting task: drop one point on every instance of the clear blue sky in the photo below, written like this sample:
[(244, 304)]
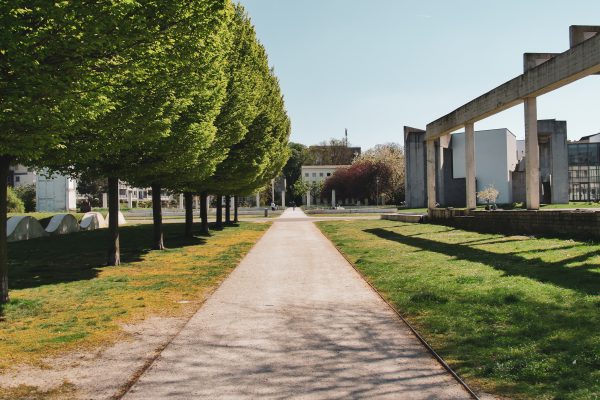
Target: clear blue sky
[(373, 66)]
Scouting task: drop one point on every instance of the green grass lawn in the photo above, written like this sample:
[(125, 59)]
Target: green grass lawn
[(325, 215), (63, 298), (513, 315), (578, 204), (413, 210)]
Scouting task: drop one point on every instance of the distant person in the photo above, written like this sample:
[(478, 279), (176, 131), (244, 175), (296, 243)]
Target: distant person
[(273, 206), (293, 206)]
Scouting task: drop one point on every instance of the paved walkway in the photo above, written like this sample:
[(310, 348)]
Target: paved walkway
[(294, 320)]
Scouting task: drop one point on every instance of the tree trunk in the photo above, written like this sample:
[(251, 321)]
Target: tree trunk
[(228, 210), (157, 240), (114, 251), (235, 209), (204, 213), (219, 220), (4, 165), (189, 214)]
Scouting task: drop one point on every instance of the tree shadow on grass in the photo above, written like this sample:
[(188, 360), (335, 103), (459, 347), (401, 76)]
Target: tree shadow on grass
[(579, 278), (82, 255)]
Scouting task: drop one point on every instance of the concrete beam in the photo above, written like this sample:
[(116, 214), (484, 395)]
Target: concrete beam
[(580, 33), (532, 60), (575, 63)]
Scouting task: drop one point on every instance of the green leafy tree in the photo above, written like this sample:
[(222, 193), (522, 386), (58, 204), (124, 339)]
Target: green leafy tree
[(14, 203), (392, 156), (246, 63), (300, 188), (154, 88), (183, 155), (53, 60), (315, 189), (92, 188), (263, 153), (293, 170), (27, 195)]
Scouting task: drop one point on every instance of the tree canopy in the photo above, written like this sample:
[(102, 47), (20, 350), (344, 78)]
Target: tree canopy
[(176, 95)]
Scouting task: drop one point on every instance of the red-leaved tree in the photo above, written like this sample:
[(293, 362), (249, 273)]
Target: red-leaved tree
[(365, 179)]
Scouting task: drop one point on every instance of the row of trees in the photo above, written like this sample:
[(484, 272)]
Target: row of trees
[(173, 95)]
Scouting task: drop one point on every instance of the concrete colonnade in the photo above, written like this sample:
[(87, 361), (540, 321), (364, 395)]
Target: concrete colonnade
[(471, 185), (542, 73), (532, 155)]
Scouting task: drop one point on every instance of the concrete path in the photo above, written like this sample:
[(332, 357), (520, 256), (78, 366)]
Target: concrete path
[(294, 320)]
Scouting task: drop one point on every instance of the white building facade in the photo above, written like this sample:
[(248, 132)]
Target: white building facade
[(56, 193), (318, 174), (495, 160)]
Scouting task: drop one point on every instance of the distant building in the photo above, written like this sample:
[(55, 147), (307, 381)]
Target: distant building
[(56, 193), (590, 138), (317, 174), (495, 159), (584, 169), (20, 175)]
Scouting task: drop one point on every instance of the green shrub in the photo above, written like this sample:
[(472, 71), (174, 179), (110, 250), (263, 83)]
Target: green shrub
[(144, 204), (27, 195), (15, 204)]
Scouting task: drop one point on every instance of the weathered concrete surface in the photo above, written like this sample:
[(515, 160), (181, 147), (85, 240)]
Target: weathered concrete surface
[(23, 228), (62, 224), (294, 320), (400, 217), (92, 220)]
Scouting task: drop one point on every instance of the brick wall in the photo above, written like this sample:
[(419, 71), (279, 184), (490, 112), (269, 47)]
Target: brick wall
[(579, 224)]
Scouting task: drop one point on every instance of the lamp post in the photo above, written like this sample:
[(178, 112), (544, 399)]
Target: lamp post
[(377, 191)]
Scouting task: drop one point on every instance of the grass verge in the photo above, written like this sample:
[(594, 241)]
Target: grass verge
[(64, 299), (513, 315)]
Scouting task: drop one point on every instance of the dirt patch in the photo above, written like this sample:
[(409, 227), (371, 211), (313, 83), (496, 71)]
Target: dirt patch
[(102, 374)]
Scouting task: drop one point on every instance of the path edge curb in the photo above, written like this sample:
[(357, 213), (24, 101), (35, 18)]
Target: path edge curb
[(412, 329)]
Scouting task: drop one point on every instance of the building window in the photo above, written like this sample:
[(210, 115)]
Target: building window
[(329, 174), (306, 174), (17, 179), (321, 174), (123, 192), (314, 174), (584, 171)]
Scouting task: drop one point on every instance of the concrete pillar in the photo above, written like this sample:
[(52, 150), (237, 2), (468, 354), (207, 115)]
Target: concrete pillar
[(283, 199), (333, 198), (532, 155), (307, 199), (470, 163), (181, 205), (257, 199), (104, 200), (129, 198), (431, 200), (272, 190)]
